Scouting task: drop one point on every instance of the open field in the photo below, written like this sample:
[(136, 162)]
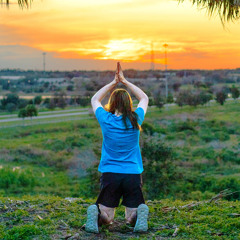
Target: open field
[(38, 162), (204, 140)]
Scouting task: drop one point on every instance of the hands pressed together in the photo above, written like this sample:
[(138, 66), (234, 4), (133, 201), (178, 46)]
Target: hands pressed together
[(119, 77)]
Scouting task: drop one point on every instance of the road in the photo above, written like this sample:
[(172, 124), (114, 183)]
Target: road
[(66, 113), (42, 117)]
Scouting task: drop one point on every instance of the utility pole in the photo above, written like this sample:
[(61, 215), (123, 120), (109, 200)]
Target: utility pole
[(152, 57), (44, 63), (166, 80)]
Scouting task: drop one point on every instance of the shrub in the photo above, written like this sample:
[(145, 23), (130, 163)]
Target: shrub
[(31, 110), (206, 135), (235, 92), (159, 101), (10, 107), (216, 185), (221, 97), (148, 128), (195, 98), (160, 172), (186, 125), (18, 178), (83, 101), (222, 136), (37, 100), (227, 155), (208, 153), (151, 101), (22, 113), (57, 145)]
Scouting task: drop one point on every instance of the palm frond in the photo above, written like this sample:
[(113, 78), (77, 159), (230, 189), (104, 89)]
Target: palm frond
[(21, 3), (228, 10)]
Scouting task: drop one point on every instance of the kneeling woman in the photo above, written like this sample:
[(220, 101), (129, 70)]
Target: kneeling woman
[(121, 161)]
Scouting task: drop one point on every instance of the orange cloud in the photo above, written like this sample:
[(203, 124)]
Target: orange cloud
[(123, 30)]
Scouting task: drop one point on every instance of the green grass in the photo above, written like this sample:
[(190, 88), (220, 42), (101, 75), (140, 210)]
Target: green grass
[(54, 217), (204, 143), (228, 112)]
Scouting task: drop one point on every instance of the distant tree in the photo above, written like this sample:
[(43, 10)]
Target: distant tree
[(204, 97), (22, 113), (31, 110), (176, 86), (159, 101), (193, 99), (46, 101), (10, 98), (37, 100), (46, 85), (182, 98), (90, 86), (22, 103), (221, 97), (170, 98), (30, 101), (83, 101), (73, 101), (62, 100), (70, 87), (235, 92), (10, 107), (186, 97), (51, 104), (151, 101), (199, 84)]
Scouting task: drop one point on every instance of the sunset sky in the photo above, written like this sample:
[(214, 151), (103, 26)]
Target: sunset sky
[(94, 35)]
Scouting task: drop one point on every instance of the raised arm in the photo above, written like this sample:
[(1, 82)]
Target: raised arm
[(100, 94), (138, 93)]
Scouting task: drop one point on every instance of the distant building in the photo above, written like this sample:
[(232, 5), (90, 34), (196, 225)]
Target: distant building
[(79, 81), (52, 80), (234, 76), (56, 81), (12, 78)]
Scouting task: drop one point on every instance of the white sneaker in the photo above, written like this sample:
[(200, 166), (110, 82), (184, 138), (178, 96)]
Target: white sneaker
[(142, 217), (92, 219)]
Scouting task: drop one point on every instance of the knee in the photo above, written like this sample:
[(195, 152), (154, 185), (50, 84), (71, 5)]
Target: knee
[(106, 219), (109, 220)]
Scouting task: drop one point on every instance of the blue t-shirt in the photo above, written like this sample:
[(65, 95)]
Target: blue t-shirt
[(120, 146)]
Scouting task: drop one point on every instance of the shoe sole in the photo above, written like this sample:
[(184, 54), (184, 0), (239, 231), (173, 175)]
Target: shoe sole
[(92, 219), (142, 217)]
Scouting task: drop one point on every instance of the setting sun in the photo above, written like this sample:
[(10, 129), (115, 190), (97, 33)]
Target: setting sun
[(125, 49)]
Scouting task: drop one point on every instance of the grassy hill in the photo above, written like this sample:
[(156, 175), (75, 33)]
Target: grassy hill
[(53, 158), (42, 217), (58, 159)]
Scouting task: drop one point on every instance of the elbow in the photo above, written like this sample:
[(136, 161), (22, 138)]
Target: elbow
[(93, 99), (146, 97)]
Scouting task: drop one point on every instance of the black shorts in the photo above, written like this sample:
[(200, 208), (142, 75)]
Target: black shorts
[(117, 185)]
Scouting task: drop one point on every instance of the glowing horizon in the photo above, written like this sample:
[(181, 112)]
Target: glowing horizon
[(99, 33)]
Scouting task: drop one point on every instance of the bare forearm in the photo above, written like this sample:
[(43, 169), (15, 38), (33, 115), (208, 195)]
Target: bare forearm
[(138, 93), (100, 94)]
